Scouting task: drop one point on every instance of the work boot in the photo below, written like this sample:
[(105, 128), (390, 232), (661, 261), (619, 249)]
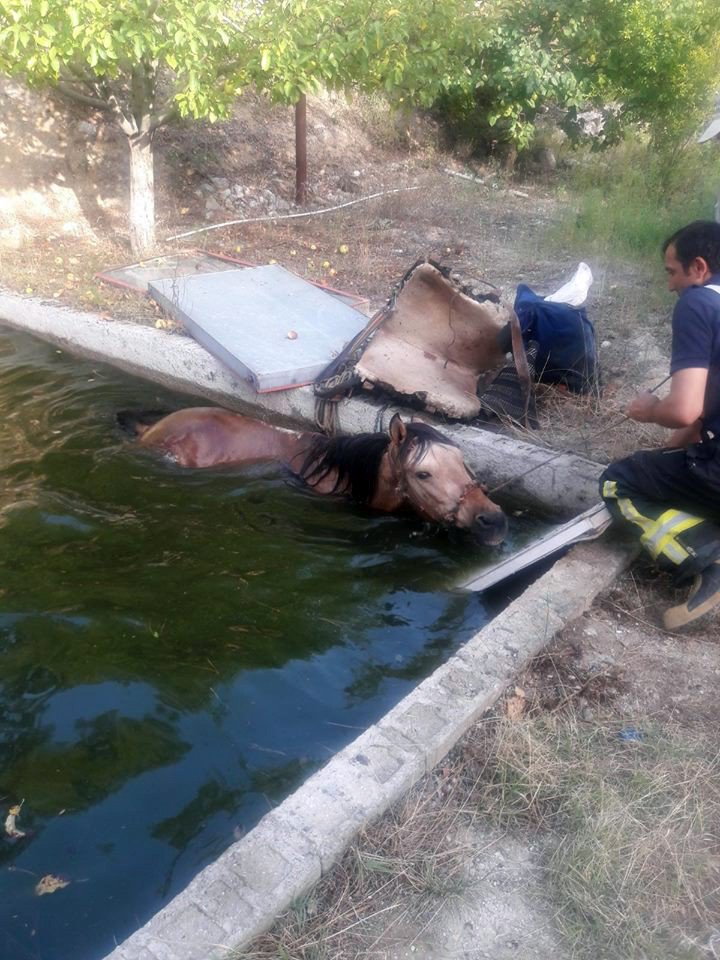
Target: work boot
[(704, 595)]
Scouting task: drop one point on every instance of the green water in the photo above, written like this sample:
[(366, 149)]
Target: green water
[(179, 650)]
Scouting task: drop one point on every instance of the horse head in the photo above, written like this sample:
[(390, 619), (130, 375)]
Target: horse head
[(434, 480)]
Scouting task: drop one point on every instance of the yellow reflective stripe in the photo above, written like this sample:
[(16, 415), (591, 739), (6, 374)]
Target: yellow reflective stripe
[(686, 522), (676, 521), (610, 488), (658, 536), (649, 527), (628, 510), (667, 544)]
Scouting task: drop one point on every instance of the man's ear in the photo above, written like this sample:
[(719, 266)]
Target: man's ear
[(397, 430), (700, 270)]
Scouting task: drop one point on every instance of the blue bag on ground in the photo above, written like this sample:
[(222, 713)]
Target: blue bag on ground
[(567, 350)]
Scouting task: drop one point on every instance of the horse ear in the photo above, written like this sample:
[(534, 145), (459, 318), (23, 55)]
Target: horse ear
[(397, 430)]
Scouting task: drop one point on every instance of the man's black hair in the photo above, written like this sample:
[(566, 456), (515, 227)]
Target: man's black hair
[(701, 238)]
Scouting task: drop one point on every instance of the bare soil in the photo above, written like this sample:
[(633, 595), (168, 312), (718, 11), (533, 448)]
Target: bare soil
[(63, 203)]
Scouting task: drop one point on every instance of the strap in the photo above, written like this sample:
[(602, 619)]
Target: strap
[(713, 286), (521, 363)]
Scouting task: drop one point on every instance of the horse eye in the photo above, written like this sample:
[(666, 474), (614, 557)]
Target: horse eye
[(423, 475)]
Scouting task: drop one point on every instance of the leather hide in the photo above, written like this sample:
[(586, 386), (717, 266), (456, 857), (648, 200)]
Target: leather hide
[(434, 344)]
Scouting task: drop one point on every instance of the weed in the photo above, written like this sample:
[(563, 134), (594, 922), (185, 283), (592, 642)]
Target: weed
[(401, 869)]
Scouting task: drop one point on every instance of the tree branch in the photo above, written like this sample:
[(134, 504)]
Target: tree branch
[(127, 124), (68, 91), (165, 116)]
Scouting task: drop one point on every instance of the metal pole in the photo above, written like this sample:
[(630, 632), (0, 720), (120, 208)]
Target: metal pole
[(301, 151)]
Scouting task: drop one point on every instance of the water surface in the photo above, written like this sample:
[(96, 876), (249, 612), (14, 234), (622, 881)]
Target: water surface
[(179, 649)]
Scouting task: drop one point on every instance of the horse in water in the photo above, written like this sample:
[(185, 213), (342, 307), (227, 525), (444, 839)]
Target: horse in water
[(411, 466)]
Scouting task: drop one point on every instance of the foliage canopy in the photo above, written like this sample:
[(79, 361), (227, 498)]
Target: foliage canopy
[(655, 61), (495, 63), (114, 55)]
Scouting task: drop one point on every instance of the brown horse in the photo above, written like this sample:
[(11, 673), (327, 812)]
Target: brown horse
[(412, 465)]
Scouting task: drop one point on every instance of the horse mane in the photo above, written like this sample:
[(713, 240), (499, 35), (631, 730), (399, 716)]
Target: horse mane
[(357, 459)]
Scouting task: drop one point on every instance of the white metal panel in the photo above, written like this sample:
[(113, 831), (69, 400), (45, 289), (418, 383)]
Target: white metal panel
[(265, 323)]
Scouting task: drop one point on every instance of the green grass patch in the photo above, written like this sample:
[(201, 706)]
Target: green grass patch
[(628, 200)]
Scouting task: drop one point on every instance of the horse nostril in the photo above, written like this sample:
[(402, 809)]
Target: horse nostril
[(493, 521)]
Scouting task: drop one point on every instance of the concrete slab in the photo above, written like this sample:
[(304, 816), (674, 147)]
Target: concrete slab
[(264, 323)]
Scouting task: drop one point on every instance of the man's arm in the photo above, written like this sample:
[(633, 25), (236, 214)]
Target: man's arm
[(684, 436), (681, 408)]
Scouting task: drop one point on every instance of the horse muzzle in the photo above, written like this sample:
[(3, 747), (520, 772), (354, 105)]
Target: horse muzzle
[(489, 527), (482, 518)]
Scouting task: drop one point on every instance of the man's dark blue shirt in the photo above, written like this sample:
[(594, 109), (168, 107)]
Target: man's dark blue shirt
[(696, 343)]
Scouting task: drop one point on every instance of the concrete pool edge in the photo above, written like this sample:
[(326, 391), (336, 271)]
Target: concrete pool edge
[(240, 895)]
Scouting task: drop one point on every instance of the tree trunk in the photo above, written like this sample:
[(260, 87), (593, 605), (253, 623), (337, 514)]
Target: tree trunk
[(142, 194), (301, 151)]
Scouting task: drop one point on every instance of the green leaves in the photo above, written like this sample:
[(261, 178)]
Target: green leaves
[(188, 43), (656, 60), (405, 49), (501, 59), (659, 60)]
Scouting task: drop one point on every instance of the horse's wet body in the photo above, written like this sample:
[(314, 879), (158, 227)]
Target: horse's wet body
[(211, 437), (411, 465)]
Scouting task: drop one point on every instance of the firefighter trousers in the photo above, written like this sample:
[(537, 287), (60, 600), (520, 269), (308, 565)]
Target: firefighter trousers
[(672, 498)]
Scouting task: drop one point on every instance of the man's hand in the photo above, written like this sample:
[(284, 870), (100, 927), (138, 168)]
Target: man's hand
[(642, 407)]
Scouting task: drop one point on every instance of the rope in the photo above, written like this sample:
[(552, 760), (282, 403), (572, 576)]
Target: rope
[(564, 453), (288, 216), (380, 418)]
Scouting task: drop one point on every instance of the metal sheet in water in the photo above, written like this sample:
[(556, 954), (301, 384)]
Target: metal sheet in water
[(265, 323), (587, 526)]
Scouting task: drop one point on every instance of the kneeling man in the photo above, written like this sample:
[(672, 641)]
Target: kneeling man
[(672, 495)]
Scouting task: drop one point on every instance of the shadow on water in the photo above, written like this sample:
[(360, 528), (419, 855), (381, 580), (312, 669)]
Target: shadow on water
[(180, 650)]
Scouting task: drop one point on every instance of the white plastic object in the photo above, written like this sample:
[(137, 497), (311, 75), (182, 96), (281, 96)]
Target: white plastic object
[(575, 291)]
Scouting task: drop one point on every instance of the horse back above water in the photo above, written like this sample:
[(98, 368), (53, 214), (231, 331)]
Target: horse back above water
[(413, 465)]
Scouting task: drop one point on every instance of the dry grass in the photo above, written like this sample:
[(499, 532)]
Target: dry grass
[(586, 425), (635, 869), (632, 831), (403, 869), (63, 270)]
